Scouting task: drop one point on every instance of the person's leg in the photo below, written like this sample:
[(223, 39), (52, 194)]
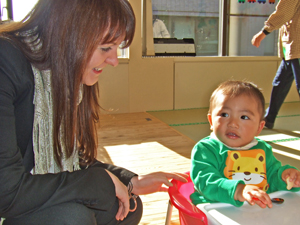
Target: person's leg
[(78, 214), (295, 63), (109, 218), (63, 214), (281, 86)]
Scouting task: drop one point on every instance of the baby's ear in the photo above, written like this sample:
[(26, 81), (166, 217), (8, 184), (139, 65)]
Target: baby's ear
[(261, 126), (210, 121)]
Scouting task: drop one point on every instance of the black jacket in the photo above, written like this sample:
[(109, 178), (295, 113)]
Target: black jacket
[(21, 192)]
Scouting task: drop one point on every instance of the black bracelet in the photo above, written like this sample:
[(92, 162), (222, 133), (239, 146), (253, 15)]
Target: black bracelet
[(265, 32), (130, 188), (132, 196)]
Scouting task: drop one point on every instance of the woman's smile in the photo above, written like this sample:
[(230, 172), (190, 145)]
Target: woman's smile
[(104, 54), (98, 70)]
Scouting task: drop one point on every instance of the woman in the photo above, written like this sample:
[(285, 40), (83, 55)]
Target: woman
[(49, 68)]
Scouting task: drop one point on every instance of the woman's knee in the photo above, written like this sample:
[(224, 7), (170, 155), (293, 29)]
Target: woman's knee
[(77, 214)]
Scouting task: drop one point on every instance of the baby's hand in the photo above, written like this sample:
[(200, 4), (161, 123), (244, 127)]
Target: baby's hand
[(253, 195), (291, 177)]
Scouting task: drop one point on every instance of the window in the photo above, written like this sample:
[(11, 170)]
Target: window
[(245, 20), (218, 27), (4, 11), (197, 19), (21, 8)]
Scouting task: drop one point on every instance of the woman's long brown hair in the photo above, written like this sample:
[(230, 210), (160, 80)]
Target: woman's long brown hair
[(65, 34)]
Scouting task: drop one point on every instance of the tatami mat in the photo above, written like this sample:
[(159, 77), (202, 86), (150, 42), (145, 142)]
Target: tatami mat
[(284, 138), (190, 122)]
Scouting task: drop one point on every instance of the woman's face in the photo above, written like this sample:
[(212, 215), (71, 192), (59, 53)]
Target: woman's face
[(105, 54)]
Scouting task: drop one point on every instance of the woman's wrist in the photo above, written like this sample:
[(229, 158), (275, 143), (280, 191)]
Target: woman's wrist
[(132, 195), (130, 188), (265, 31), (134, 184)]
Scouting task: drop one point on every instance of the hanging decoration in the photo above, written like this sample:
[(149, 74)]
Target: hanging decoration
[(259, 1)]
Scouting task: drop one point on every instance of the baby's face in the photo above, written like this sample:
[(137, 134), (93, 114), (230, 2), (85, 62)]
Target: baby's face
[(236, 121)]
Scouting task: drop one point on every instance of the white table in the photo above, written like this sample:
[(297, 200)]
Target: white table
[(286, 213)]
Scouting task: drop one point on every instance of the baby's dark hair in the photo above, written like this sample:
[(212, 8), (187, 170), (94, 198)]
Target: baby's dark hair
[(233, 89)]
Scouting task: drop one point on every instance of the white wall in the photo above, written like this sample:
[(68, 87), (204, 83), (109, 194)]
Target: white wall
[(195, 81)]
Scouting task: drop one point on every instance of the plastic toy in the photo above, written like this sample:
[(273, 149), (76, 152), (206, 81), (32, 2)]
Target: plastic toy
[(189, 214)]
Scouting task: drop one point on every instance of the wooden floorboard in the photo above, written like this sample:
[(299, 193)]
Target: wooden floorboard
[(144, 144)]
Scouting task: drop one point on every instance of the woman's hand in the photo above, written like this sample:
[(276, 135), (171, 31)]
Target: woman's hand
[(153, 182), (122, 195)]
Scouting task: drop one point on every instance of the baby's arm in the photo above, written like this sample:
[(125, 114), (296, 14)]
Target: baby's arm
[(291, 177), (253, 195)]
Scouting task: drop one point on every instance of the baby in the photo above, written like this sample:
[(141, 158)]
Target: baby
[(231, 165)]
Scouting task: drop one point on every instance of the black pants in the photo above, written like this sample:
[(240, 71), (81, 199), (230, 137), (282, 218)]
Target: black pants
[(77, 214), (288, 71)]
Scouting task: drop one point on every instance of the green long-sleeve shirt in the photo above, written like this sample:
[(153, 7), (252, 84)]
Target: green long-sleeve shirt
[(216, 170)]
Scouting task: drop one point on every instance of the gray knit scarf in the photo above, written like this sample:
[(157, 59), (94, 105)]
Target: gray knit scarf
[(43, 129)]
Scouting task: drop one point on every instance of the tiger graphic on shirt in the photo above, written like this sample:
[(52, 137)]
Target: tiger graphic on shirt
[(249, 166)]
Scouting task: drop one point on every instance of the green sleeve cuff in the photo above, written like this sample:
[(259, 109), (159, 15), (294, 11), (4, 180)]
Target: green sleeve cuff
[(283, 183), (237, 202), (277, 184)]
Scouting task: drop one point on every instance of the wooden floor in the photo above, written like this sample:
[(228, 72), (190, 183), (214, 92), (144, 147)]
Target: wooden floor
[(144, 144)]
